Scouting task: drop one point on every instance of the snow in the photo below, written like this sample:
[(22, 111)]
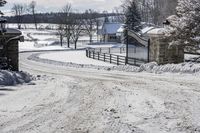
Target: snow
[(30, 46), (157, 31), (32, 26), (37, 40), (77, 57), (146, 29), (191, 57), (73, 100), (189, 68), (9, 78), (121, 29)]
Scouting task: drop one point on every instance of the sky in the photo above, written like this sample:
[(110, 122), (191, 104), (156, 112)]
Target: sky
[(56, 5)]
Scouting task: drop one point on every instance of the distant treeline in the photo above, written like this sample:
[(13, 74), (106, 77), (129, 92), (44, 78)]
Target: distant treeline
[(54, 17)]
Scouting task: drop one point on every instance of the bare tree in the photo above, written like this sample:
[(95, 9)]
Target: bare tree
[(119, 15), (76, 30), (90, 22), (61, 33), (32, 7), (18, 10), (67, 20)]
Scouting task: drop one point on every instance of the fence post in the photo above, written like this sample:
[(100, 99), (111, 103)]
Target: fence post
[(118, 60), (148, 51), (89, 54), (135, 62), (104, 58), (98, 55), (86, 53), (127, 42), (126, 60), (93, 54), (110, 58), (109, 51)]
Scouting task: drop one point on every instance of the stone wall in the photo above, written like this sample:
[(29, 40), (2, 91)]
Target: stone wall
[(10, 48), (13, 55), (160, 51)]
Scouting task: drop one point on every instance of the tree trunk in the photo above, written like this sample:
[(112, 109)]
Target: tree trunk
[(75, 47), (19, 26), (75, 44), (61, 40), (68, 42), (35, 22), (90, 38)]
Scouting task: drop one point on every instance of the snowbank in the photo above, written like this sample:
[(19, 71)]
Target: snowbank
[(188, 67), (153, 67), (9, 78)]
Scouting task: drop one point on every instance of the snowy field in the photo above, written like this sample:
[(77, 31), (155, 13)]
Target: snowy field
[(37, 40), (78, 57)]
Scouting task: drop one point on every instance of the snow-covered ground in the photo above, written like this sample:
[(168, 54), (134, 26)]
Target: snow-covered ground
[(32, 26), (78, 57), (37, 40), (66, 100), (110, 99)]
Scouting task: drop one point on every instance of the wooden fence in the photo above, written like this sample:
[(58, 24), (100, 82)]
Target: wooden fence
[(112, 58)]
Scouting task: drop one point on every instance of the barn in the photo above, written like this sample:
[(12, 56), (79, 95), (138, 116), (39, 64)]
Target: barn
[(109, 32)]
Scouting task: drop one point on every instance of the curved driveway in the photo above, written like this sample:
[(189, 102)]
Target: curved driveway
[(92, 101)]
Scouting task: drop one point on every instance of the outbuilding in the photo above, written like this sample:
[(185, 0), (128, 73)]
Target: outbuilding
[(109, 31)]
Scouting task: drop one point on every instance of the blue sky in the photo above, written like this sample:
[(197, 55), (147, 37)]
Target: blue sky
[(56, 5)]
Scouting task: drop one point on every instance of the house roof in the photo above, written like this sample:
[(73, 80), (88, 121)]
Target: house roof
[(110, 28), (121, 29)]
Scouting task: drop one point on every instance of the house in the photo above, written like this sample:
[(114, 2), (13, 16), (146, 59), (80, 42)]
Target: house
[(109, 32)]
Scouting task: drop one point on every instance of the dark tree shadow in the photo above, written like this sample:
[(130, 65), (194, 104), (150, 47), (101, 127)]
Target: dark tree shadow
[(6, 89)]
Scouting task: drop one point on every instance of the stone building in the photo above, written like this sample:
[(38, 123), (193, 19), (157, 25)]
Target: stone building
[(9, 53), (160, 51)]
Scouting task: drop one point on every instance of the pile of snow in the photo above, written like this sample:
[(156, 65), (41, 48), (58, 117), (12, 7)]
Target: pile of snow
[(9, 78), (188, 67), (153, 67)]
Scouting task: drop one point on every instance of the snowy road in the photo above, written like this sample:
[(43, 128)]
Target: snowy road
[(67, 100)]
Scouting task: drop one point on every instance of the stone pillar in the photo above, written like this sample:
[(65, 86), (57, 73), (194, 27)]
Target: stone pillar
[(11, 38), (160, 51)]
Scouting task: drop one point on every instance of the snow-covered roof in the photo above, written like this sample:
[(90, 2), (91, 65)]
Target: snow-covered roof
[(157, 31), (110, 28), (121, 29), (146, 29)]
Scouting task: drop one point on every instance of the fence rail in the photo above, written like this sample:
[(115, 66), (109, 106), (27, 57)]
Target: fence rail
[(112, 58), (109, 50)]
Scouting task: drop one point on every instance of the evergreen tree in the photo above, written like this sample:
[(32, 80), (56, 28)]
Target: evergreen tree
[(2, 3), (185, 25), (132, 14)]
